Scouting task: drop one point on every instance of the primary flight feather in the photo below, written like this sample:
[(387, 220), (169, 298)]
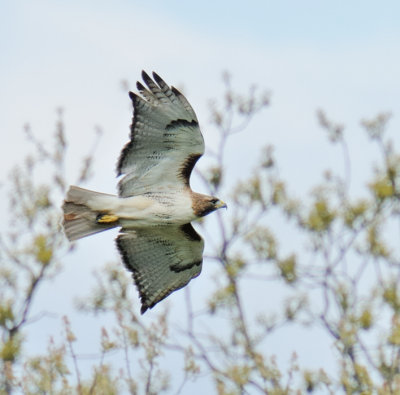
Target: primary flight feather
[(155, 204)]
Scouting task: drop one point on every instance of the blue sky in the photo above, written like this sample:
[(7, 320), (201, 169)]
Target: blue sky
[(341, 56)]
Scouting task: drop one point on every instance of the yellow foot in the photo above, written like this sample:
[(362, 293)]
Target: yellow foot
[(106, 218)]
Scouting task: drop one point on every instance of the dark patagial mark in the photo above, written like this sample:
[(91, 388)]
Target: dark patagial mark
[(187, 167), (190, 233)]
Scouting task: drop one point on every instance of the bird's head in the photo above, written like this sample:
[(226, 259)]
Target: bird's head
[(204, 205)]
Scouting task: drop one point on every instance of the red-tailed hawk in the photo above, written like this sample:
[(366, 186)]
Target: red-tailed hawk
[(155, 203)]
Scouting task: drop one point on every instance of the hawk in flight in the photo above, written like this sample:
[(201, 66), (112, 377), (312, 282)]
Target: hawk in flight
[(155, 204)]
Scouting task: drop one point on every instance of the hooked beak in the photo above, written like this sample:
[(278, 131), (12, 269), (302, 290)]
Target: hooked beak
[(221, 204)]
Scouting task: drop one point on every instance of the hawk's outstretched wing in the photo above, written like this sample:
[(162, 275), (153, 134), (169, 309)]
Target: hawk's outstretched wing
[(166, 141), (161, 259)]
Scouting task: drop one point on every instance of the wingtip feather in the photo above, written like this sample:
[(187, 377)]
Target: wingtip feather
[(140, 86), (143, 309), (175, 91), (146, 77), (159, 80)]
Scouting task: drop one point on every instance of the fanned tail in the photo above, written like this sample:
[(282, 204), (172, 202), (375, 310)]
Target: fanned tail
[(79, 219)]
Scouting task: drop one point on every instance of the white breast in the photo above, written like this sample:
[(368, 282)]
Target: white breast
[(174, 208)]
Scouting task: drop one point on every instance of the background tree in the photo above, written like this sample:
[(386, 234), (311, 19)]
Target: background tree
[(331, 259)]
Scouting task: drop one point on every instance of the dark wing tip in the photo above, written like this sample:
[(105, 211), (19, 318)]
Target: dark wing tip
[(146, 77), (176, 92), (133, 96), (158, 79), (140, 86), (143, 309)]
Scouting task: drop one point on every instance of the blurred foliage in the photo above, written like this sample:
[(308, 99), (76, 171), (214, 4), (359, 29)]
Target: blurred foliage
[(331, 260)]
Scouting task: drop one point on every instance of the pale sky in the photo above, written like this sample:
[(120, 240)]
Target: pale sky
[(343, 57)]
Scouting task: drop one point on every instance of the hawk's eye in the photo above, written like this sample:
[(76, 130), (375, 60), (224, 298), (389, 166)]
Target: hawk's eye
[(214, 201)]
